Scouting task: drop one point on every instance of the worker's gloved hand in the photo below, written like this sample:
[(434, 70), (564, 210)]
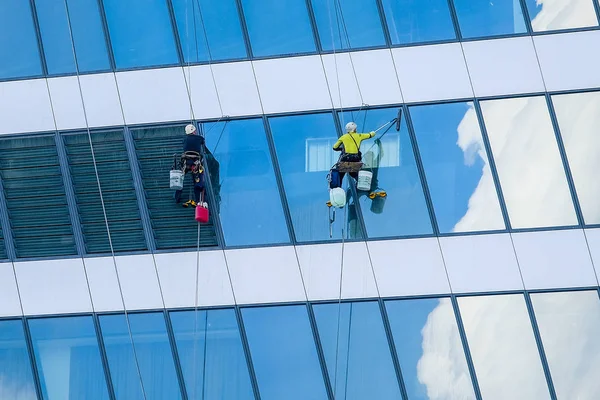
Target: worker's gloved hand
[(372, 133)]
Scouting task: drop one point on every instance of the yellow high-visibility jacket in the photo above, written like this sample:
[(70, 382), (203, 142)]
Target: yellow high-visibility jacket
[(351, 141)]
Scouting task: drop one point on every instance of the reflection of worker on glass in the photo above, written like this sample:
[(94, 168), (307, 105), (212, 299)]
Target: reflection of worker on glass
[(191, 161)]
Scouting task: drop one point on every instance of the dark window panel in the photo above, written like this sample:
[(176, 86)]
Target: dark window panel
[(19, 52), (35, 197), (87, 32), (174, 226), (120, 201), (15, 367), (68, 358)]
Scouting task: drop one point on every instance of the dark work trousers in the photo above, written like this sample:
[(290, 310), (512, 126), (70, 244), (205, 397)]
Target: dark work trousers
[(336, 181), (195, 167)]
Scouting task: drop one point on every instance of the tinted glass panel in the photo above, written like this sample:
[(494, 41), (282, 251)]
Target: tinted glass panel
[(429, 349), (154, 357), (211, 355), (529, 165), (456, 166), (219, 20), (173, 225), (16, 380), (283, 353), (304, 152), (278, 27), (246, 182), (562, 14), (86, 29), (54, 224), (489, 18), (504, 351), (118, 193), (18, 58), (391, 159), (569, 325), (579, 122), (357, 354), (414, 21), (68, 358), (348, 24), (140, 32)]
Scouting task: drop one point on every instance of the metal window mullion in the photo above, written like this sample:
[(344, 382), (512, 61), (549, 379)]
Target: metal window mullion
[(70, 195), (596, 4), (9, 241), (314, 27), (392, 346), (176, 37), (320, 353), (247, 354), (421, 171), (384, 25), (244, 27), (492, 163), (139, 190), (463, 338), (38, 33), (538, 340), (103, 357), (34, 371), (279, 180), (565, 161), (175, 354), (455, 22), (109, 49), (526, 16)]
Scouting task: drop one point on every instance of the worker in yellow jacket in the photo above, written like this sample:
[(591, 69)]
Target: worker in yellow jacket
[(349, 145)]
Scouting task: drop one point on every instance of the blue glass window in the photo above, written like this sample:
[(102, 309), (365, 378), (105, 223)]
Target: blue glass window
[(303, 145), (283, 353), (219, 20), (16, 379), (18, 58), (278, 27), (489, 18), (141, 33), (555, 15), (429, 349), (87, 30), (250, 204), (68, 358), (357, 354), (348, 24), (211, 355), (417, 21), (153, 352), (391, 159), (456, 167)]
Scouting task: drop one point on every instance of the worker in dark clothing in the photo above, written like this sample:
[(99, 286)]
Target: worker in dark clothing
[(191, 161), (351, 158)]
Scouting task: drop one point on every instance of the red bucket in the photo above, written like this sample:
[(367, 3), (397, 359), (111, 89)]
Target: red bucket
[(201, 214)]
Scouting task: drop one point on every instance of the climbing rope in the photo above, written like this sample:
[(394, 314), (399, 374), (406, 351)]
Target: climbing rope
[(112, 251)]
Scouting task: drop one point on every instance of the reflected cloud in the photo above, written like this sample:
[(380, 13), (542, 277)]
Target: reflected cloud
[(15, 390), (562, 14)]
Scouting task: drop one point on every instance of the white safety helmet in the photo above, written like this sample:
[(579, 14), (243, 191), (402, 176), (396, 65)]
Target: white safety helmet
[(190, 129), (350, 127)]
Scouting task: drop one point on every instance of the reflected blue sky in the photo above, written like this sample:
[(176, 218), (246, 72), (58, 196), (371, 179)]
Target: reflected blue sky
[(348, 24), (414, 21), (403, 211), (247, 183), (489, 18), (364, 365), (283, 353), (211, 355), (68, 358), (426, 337), (16, 379), (303, 145), (154, 357), (455, 161)]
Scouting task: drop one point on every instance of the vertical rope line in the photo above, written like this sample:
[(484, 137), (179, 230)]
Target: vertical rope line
[(102, 203)]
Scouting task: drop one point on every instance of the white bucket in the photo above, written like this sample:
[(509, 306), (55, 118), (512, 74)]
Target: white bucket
[(364, 180), (337, 196), (176, 179)]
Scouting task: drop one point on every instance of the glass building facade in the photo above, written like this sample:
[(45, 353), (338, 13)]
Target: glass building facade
[(476, 277)]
